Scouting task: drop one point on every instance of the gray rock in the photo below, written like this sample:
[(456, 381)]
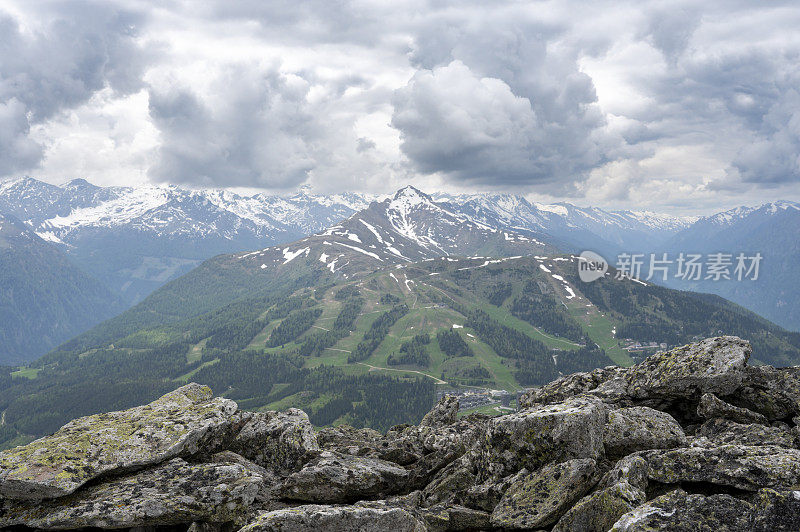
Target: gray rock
[(542, 434), (170, 494), (279, 441), (450, 483), (715, 365), (318, 518), (772, 392), (632, 469), (349, 440), (638, 428), (570, 386), (598, 511), (539, 499), (723, 432), (776, 511), (334, 477), (739, 466), (444, 413), (712, 406), (462, 518), (679, 512), (486, 496), (178, 424)]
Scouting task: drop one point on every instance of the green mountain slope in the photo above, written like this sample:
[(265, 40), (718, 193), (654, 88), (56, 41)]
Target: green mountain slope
[(371, 350), (44, 298)]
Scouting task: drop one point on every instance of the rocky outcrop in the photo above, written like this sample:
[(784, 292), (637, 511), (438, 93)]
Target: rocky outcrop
[(318, 518), (690, 439), (177, 424)]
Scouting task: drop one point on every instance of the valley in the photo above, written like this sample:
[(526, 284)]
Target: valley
[(366, 321)]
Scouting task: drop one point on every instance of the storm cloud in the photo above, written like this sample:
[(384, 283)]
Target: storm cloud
[(57, 60), (609, 102)]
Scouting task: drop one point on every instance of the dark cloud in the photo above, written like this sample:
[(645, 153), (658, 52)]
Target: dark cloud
[(495, 104), (774, 155), (553, 97), (78, 49), (251, 128)]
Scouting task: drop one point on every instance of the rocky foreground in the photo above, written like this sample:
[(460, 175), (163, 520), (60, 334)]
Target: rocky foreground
[(690, 439)]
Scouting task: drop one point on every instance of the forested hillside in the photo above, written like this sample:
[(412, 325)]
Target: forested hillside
[(44, 298), (373, 350)]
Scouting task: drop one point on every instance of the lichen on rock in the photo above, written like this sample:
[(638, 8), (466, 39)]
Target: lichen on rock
[(176, 424), (690, 439)]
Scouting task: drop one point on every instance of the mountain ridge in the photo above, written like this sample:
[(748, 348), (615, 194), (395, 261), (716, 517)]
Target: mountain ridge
[(44, 298)]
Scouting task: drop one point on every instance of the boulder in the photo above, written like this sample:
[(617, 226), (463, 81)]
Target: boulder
[(715, 365), (598, 511), (279, 441), (444, 413), (542, 434), (173, 493), (334, 477), (678, 511), (539, 499), (712, 406), (775, 393), (632, 469), (638, 428), (743, 467), (178, 424), (486, 496), (570, 386), (318, 518), (349, 440), (723, 432), (450, 483), (776, 511)]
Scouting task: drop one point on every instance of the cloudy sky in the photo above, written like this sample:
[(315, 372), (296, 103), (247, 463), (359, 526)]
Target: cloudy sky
[(664, 105)]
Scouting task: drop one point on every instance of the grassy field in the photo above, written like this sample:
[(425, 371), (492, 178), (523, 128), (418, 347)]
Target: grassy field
[(26, 373)]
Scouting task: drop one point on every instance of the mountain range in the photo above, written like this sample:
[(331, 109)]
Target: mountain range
[(359, 321), (771, 230), (136, 239), (44, 298)]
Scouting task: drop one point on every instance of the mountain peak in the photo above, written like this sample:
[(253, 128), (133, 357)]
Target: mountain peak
[(79, 183), (412, 193)]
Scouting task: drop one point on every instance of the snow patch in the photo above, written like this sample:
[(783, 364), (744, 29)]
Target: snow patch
[(291, 255)]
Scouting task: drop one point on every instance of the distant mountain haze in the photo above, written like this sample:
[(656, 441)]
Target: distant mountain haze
[(44, 298)]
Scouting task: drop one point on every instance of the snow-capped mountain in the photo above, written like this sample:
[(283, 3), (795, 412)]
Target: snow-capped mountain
[(773, 230), (137, 238), (408, 227), (574, 228)]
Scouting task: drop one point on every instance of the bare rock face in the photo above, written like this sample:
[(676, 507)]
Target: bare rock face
[(745, 467), (598, 511), (715, 365), (570, 385), (343, 478), (444, 413), (539, 499), (712, 406), (176, 424), (680, 512), (638, 428), (721, 431), (278, 441), (775, 393), (544, 433), (318, 518), (690, 439), (170, 494)]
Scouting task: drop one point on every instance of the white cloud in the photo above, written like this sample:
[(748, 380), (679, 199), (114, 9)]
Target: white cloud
[(598, 102)]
